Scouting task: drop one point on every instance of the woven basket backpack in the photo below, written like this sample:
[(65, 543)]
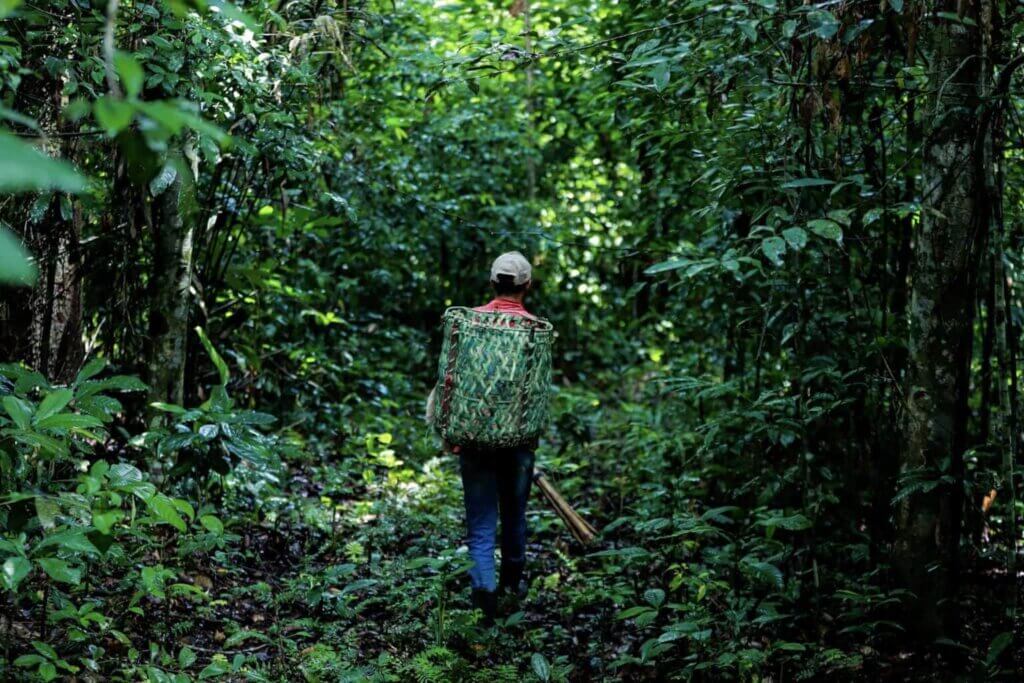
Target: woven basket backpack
[(493, 379)]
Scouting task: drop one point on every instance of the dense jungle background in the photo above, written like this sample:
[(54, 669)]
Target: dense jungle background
[(780, 242)]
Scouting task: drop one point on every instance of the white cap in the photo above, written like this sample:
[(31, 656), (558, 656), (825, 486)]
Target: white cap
[(514, 264)]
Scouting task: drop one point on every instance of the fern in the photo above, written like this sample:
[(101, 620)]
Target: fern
[(180, 628), (436, 664), (921, 480), (503, 673)]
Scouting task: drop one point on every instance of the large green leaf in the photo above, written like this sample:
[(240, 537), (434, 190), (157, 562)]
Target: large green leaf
[(16, 268), (53, 403), (46, 444), (123, 474), (117, 383), (214, 669), (25, 380), (186, 657), (218, 362), (164, 510), (104, 520), (996, 647), (10, 114), (824, 227), (661, 75), (59, 570), (175, 116), (671, 264), (19, 410), (796, 522), (807, 182), (91, 369), (795, 237), (8, 6), (69, 540), (823, 23), (69, 421), (212, 524), (184, 507), (13, 571), (47, 510), (168, 407), (232, 12), (541, 667), (654, 596), (774, 248), (130, 72), (767, 572), (113, 115), (24, 168)]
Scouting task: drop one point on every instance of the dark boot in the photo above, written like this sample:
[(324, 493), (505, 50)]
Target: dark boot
[(512, 585), (487, 602)]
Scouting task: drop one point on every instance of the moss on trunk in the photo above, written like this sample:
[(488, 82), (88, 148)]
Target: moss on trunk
[(950, 237), (170, 282)]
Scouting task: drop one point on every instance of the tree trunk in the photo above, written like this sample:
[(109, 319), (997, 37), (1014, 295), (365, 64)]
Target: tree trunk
[(943, 278), (171, 279), (43, 326), (56, 304)]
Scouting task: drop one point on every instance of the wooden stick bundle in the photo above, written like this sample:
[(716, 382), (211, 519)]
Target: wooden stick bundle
[(578, 527)]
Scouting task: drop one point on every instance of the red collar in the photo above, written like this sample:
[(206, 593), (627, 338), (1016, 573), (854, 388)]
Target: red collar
[(502, 305)]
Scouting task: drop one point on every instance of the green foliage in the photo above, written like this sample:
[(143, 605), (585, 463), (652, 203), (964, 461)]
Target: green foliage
[(15, 267), (67, 514), (23, 168), (721, 201)]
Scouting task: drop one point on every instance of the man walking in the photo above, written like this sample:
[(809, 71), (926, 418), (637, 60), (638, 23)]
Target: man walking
[(496, 481)]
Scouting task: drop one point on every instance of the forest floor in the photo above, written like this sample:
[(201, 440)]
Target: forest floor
[(356, 571), (351, 567)]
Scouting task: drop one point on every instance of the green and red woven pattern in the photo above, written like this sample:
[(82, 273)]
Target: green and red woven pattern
[(494, 377)]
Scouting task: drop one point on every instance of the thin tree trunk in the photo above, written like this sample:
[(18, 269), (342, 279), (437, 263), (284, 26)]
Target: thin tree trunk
[(887, 465), (987, 341), (531, 164), (943, 277), (169, 287), (57, 323), (1008, 426)]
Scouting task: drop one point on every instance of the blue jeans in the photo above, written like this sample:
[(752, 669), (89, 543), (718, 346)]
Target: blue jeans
[(494, 480)]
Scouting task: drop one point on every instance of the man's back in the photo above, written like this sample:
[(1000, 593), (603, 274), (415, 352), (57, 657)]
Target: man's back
[(505, 305)]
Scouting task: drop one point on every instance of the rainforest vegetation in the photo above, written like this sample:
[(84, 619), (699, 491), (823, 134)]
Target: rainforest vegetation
[(781, 243)]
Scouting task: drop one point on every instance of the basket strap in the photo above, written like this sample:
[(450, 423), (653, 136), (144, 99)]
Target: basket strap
[(448, 386), (524, 390)]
